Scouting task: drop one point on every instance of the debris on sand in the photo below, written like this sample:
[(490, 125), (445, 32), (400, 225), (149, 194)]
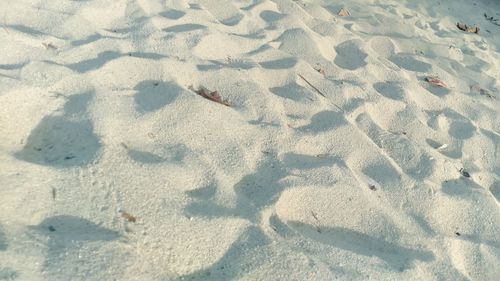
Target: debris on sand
[(128, 216), (344, 12), (492, 20), (471, 29), (483, 92), (433, 80), (211, 95), (464, 173)]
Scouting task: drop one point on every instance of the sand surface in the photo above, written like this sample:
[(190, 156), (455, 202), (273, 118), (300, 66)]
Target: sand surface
[(335, 158)]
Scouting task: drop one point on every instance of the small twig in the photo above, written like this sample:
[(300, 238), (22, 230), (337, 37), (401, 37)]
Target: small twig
[(317, 221), (318, 91)]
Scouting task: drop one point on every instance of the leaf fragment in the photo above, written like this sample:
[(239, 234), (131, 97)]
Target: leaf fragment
[(433, 80), (211, 95), (344, 12), (128, 216), (470, 29)]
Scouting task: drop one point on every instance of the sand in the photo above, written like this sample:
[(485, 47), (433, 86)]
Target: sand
[(335, 159)]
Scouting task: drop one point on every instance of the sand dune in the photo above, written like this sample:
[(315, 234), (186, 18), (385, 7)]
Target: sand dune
[(335, 159)]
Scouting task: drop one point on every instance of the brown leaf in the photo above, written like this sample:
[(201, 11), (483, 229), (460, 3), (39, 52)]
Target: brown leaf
[(471, 29), (321, 70), (433, 80), (344, 12), (211, 95), (128, 216)]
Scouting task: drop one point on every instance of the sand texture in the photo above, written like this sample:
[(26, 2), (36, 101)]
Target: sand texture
[(249, 140)]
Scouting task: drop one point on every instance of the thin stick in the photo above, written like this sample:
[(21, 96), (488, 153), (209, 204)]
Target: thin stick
[(318, 91)]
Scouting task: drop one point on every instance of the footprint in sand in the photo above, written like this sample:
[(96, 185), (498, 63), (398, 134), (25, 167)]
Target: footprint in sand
[(65, 140), (343, 218), (154, 95), (391, 90), (74, 241), (224, 11), (350, 55), (172, 14), (409, 62), (3, 240)]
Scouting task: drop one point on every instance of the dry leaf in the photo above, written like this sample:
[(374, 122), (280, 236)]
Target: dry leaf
[(435, 81), (471, 29), (211, 95), (321, 70), (128, 216), (344, 12)]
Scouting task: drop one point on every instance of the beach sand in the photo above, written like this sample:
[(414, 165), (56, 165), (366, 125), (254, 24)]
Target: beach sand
[(336, 157)]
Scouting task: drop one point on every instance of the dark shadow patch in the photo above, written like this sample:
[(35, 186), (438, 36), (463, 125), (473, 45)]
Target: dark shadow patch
[(142, 55), (271, 16), (410, 158), (63, 141), (462, 187), (235, 64), (259, 50), (391, 90), (260, 122), (253, 191), (25, 29), (279, 63), (184, 27), (292, 91), (172, 14), (64, 229), (74, 240), (424, 225), (383, 173), (454, 152), (153, 95), (94, 63), (12, 66), (408, 62), (437, 91), (495, 190), (256, 35), (87, 40), (434, 144), (232, 21), (237, 261), (145, 157), (350, 56), (3, 240), (324, 121), (195, 6), (210, 210), (302, 161), (398, 257), (208, 67), (262, 187), (103, 58), (204, 193), (460, 127), (353, 104), (8, 274)]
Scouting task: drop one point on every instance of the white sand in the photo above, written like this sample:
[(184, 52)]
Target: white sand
[(97, 119)]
